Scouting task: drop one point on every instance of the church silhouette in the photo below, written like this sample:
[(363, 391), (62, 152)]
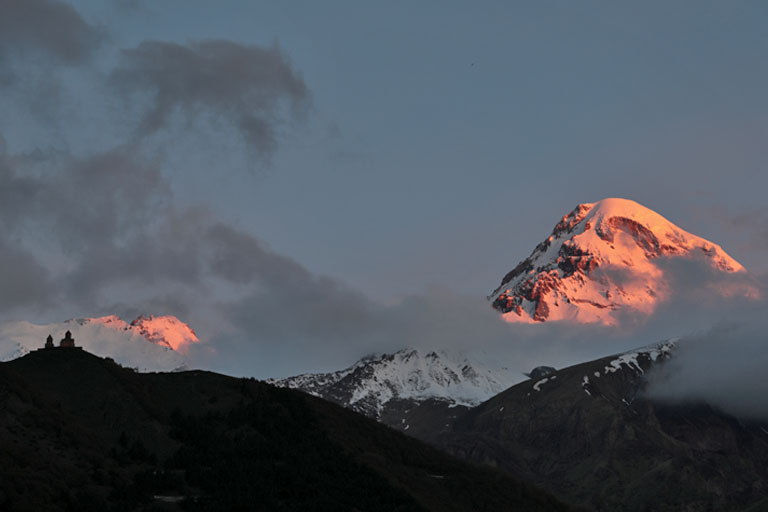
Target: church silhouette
[(66, 342)]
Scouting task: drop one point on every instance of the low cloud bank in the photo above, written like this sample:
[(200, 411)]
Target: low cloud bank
[(722, 355), (318, 325), (724, 367)]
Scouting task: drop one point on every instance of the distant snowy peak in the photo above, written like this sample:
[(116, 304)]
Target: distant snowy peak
[(167, 331), (413, 375), (601, 258), (149, 343)]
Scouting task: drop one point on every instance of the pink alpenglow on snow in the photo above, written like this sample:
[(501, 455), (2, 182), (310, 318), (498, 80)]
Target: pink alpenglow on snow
[(167, 330), (600, 259)]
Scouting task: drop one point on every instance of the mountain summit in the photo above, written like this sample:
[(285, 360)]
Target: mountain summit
[(600, 259), (395, 388)]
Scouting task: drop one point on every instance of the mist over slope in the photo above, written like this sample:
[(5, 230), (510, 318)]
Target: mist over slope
[(724, 367)]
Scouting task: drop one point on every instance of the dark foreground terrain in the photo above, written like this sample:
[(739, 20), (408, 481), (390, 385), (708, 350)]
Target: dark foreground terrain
[(82, 433), (589, 435)]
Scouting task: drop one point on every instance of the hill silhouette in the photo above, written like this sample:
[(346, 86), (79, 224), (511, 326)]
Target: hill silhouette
[(83, 433)]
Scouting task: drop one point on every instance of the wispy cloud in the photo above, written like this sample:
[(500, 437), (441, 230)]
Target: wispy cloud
[(48, 26), (249, 86)]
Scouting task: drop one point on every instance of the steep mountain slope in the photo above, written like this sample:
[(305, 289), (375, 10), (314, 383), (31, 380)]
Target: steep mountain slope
[(81, 433), (395, 388), (149, 343), (167, 331), (587, 434), (601, 259)]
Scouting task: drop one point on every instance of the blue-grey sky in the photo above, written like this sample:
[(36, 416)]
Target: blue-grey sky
[(446, 139), (389, 148)]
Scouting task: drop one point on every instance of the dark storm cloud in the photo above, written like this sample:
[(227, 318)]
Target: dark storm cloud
[(240, 258), (49, 26), (100, 212), (318, 311), (17, 192), (83, 201), (284, 300), (23, 280), (104, 197), (161, 255), (246, 85)]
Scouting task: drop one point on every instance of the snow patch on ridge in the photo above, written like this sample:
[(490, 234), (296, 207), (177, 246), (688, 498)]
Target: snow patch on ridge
[(630, 359)]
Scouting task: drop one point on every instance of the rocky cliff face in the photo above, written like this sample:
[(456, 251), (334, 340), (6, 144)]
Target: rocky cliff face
[(602, 259)]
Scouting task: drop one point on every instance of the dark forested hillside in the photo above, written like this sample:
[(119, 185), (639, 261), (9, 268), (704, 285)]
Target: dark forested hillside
[(82, 433)]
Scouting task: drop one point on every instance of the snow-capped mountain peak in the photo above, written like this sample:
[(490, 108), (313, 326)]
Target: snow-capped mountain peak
[(408, 375), (165, 330), (601, 258)]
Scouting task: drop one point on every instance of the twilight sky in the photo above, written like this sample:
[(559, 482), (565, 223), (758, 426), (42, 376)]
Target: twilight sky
[(291, 176)]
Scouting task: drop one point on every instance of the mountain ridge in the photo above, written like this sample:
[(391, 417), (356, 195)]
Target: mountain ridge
[(392, 387), (589, 434)]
